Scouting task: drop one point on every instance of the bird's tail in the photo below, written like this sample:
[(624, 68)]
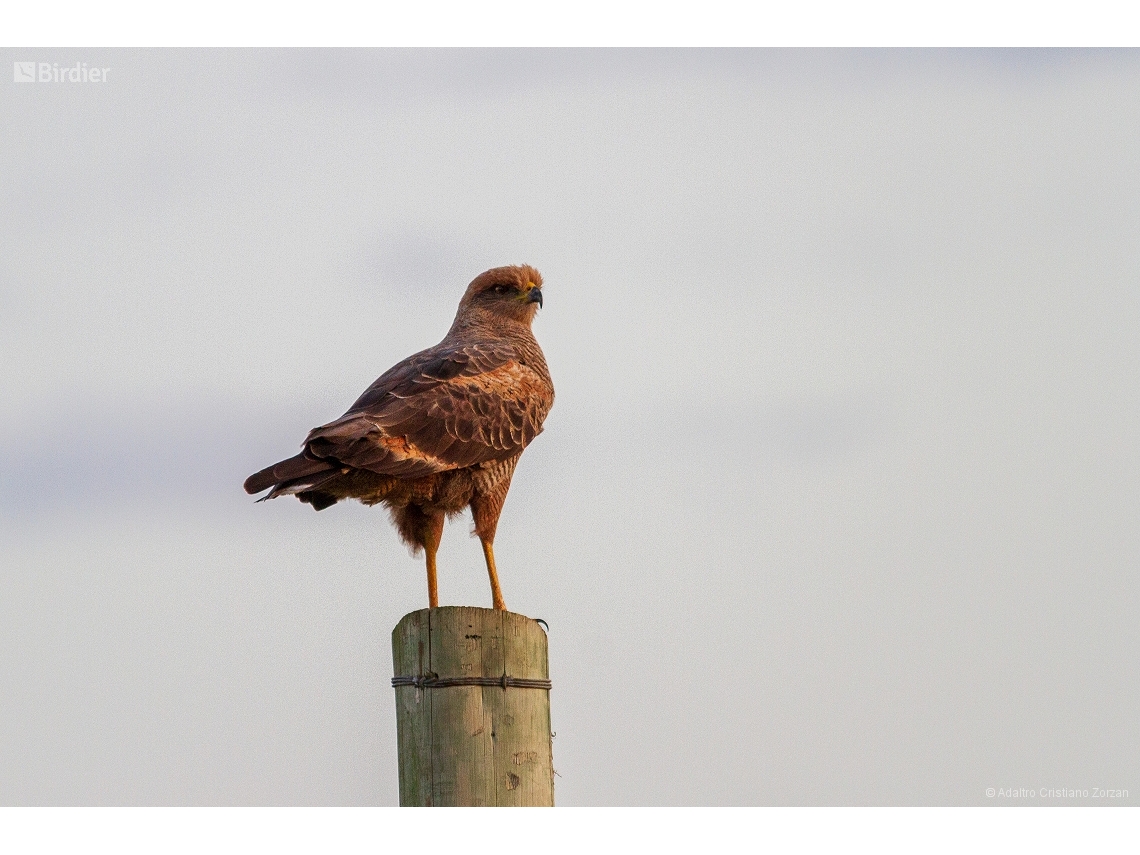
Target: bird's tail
[(295, 475)]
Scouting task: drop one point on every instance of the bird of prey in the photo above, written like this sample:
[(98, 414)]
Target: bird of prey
[(440, 431)]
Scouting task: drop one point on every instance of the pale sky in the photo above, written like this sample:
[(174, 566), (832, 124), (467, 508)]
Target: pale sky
[(837, 503)]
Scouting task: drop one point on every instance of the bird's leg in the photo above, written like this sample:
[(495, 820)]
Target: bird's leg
[(485, 511), (433, 584), (496, 594), (430, 534)]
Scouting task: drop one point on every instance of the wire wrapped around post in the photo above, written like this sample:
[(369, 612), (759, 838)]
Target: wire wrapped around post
[(434, 681)]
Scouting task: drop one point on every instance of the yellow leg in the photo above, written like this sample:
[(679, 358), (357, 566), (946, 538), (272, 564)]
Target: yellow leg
[(496, 594), (433, 585), (430, 532)]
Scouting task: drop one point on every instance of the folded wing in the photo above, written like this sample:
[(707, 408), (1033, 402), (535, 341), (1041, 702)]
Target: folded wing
[(444, 408)]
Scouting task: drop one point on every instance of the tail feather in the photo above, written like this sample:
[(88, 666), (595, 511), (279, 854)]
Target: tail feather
[(299, 485), (318, 500), (301, 471)]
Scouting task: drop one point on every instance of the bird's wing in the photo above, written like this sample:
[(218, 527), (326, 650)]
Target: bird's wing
[(444, 408)]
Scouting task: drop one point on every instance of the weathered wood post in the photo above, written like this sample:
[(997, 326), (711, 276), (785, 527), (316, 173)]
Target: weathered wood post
[(472, 709)]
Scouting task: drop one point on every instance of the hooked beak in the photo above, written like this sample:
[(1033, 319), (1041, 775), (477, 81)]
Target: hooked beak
[(534, 296)]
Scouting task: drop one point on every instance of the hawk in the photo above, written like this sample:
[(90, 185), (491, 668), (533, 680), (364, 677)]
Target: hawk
[(440, 431)]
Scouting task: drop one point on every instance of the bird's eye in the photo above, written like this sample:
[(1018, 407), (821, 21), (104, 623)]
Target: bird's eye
[(500, 289)]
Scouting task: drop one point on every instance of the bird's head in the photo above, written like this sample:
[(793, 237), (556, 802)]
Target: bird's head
[(503, 293)]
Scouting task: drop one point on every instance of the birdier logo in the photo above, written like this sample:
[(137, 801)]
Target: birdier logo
[(51, 72)]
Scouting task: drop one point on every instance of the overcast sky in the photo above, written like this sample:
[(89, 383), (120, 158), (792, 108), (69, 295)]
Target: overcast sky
[(838, 500)]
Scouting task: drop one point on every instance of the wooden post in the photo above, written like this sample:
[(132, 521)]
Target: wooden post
[(472, 709)]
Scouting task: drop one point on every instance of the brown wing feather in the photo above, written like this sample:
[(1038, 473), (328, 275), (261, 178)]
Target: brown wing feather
[(444, 408)]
